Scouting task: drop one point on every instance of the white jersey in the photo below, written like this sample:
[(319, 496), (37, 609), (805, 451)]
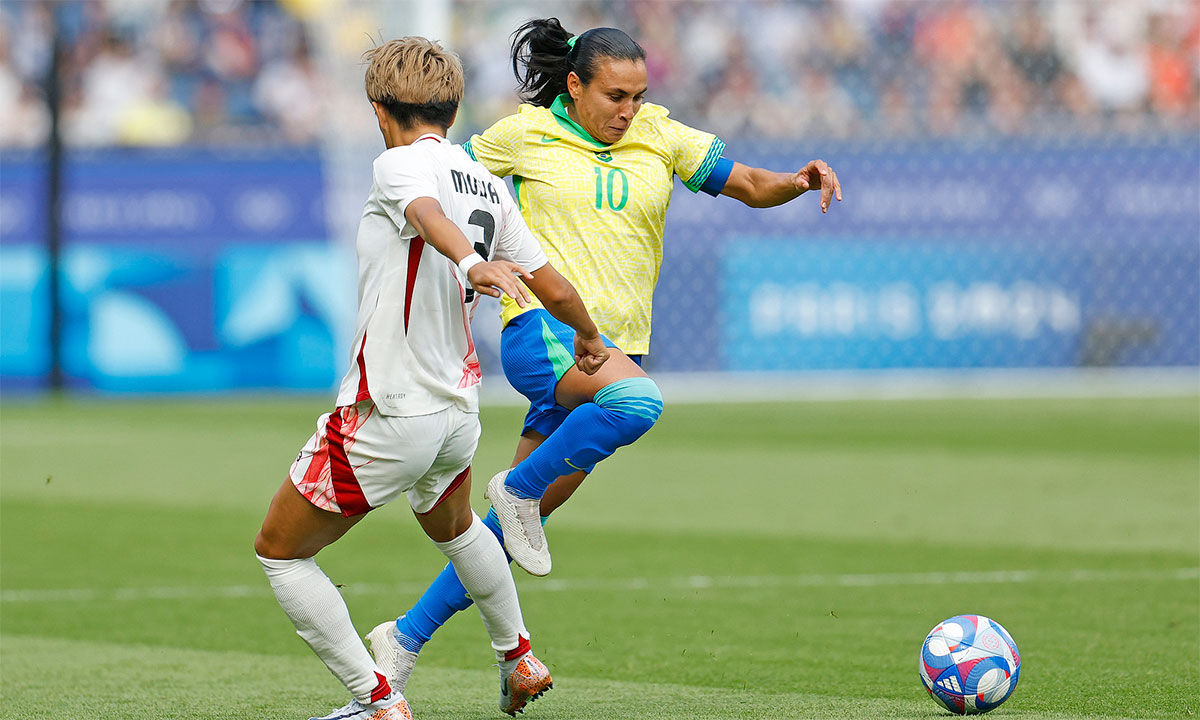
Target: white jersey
[(413, 353)]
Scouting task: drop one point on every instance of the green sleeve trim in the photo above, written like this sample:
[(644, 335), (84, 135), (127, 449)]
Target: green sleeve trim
[(467, 146), (710, 161), (517, 180)]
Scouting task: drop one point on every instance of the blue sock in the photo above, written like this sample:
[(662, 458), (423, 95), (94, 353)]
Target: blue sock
[(445, 597), (619, 414)]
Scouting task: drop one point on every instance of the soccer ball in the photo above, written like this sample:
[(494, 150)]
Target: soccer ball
[(969, 664)]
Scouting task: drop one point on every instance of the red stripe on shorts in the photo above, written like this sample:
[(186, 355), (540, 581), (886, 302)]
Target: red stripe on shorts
[(345, 486), (414, 261), (459, 480), (363, 392)]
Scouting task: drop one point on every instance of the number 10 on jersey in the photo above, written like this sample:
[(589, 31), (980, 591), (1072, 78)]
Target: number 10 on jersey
[(607, 186)]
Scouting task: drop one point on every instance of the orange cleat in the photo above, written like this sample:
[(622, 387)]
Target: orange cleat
[(522, 681)]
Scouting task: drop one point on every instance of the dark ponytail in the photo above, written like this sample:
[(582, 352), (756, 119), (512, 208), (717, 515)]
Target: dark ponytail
[(542, 57)]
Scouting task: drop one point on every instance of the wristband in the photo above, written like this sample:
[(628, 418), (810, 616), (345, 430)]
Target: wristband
[(469, 262)]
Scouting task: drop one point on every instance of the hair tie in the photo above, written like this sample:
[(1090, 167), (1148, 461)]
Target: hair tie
[(571, 41)]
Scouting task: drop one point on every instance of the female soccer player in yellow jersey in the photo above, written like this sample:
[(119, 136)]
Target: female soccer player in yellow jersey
[(592, 165)]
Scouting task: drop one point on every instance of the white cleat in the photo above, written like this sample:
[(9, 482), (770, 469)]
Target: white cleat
[(396, 663), (521, 522), (522, 681), (392, 707)]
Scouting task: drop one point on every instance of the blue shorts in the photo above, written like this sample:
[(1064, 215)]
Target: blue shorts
[(536, 350)]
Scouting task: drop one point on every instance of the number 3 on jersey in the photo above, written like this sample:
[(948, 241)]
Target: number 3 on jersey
[(613, 188), (487, 223)]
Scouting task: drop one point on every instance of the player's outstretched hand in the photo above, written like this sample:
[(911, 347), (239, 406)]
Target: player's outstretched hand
[(590, 353), (499, 276), (818, 175)]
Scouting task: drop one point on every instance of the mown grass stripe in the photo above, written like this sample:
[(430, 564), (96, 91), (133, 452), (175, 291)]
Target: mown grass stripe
[(691, 582)]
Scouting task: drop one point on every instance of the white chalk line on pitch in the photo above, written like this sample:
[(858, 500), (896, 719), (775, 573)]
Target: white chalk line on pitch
[(692, 582)]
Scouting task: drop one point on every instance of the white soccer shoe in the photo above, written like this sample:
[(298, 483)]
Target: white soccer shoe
[(521, 522), (522, 681), (392, 707), (396, 663)]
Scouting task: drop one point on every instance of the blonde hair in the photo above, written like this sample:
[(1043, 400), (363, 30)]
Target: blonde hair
[(413, 71)]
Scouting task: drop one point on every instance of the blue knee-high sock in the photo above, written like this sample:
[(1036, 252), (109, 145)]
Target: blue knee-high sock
[(619, 414), (442, 599)]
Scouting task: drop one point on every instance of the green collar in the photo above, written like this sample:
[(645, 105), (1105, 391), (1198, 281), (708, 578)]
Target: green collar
[(559, 108)]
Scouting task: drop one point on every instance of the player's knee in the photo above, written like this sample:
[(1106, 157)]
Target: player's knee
[(263, 547), (636, 403), (266, 545), (450, 526)]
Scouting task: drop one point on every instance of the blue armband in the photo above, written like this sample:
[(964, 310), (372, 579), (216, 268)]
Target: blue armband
[(715, 182)]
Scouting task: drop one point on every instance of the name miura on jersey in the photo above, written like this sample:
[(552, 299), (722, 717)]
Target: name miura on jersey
[(470, 185)]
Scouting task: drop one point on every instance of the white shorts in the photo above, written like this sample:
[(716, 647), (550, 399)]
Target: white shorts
[(359, 459)]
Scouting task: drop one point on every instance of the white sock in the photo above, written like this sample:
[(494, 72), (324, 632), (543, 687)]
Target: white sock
[(483, 569), (319, 613)]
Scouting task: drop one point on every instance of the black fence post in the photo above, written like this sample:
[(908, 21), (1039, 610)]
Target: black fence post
[(54, 171)]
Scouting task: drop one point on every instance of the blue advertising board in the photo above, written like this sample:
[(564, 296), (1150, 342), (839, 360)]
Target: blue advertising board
[(1103, 237), (202, 270), (187, 270), (876, 305), (145, 319)]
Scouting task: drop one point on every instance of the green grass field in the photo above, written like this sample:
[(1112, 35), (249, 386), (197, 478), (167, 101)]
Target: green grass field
[(742, 561)]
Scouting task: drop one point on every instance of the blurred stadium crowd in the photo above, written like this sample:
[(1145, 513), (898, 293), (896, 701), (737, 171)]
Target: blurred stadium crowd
[(216, 72), (159, 73)]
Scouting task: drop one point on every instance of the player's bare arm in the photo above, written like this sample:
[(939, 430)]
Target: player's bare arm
[(761, 188), (563, 302), (489, 278)]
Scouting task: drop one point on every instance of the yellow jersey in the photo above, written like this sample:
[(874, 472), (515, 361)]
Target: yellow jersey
[(598, 210)]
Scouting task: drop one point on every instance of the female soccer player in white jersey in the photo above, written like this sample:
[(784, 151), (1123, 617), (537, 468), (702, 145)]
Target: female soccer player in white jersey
[(593, 167), (406, 416)]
